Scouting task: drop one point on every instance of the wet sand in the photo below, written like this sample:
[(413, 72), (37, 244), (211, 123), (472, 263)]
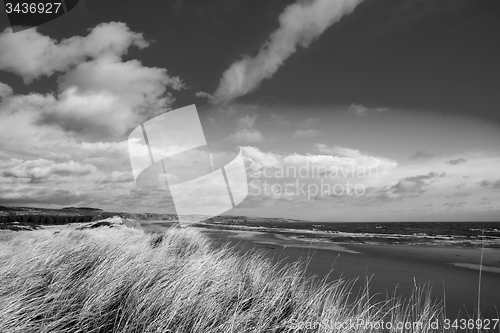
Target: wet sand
[(451, 271), (389, 267)]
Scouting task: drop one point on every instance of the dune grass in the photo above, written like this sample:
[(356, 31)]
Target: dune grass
[(122, 280)]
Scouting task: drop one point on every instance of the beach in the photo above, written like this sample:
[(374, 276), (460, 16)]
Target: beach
[(389, 268), (452, 272)]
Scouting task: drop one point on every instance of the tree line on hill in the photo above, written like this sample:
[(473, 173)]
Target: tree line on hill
[(45, 219)]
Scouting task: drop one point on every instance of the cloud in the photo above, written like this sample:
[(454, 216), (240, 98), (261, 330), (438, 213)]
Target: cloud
[(358, 109), (245, 132), (338, 151), (260, 158), (492, 184), (361, 110), (98, 91), (355, 157), (203, 94), (28, 195), (103, 98), (311, 177), (31, 55), (24, 136), (454, 204), (300, 24), (421, 155), (456, 161), (398, 189), (350, 159), (247, 121), (36, 170), (5, 90), (322, 148), (308, 133), (410, 186), (117, 177), (309, 122), (459, 195), (109, 73), (247, 135), (69, 147), (282, 120)]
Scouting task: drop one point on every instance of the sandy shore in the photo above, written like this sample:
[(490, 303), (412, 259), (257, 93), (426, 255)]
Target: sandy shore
[(273, 239), (390, 268), (451, 271)]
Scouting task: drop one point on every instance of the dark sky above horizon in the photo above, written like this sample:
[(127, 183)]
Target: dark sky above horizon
[(403, 85)]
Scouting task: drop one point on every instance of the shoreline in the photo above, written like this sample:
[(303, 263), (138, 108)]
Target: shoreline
[(389, 268)]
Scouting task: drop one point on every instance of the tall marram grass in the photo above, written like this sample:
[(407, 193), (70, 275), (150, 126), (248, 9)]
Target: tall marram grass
[(122, 280)]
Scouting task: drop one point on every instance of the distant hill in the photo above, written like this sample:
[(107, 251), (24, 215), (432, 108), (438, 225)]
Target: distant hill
[(82, 208), (16, 218)]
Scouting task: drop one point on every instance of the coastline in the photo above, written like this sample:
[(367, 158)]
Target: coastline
[(390, 268)]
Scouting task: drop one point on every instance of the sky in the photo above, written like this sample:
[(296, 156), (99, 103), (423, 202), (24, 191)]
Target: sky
[(389, 108)]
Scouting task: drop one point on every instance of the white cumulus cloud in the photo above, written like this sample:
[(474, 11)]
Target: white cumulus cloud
[(69, 146), (103, 97), (31, 54)]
